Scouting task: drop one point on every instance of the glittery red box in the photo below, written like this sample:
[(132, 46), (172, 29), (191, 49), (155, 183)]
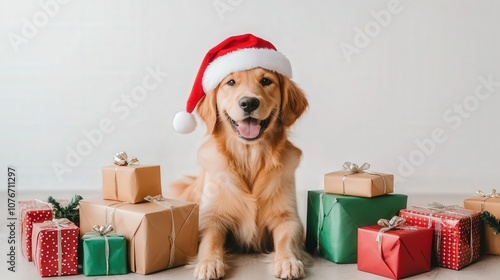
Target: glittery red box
[(456, 233), (55, 249), (30, 212)]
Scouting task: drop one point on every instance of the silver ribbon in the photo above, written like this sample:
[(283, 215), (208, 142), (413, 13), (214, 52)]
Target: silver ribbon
[(492, 194), (158, 199), (111, 215), (103, 231), (45, 202), (321, 215), (395, 222), (354, 168), (58, 224), (321, 218), (121, 159)]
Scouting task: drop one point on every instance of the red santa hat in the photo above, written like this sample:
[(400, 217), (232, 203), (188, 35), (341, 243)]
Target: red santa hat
[(237, 53)]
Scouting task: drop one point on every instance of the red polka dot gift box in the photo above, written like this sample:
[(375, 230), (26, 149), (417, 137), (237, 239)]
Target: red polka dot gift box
[(55, 245), (30, 212), (457, 232)]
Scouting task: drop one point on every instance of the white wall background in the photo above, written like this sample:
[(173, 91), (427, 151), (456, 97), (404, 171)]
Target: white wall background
[(66, 67)]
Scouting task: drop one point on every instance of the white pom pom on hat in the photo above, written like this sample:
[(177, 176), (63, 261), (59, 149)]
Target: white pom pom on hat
[(184, 122), (236, 53)]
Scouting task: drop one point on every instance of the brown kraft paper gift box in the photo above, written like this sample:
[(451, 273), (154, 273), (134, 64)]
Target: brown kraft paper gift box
[(148, 230), (490, 242), (358, 184), (130, 183)]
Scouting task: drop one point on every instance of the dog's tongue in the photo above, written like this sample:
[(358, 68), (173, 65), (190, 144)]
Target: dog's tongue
[(249, 128)]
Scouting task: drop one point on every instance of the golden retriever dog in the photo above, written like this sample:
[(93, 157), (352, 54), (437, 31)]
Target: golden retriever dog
[(246, 188)]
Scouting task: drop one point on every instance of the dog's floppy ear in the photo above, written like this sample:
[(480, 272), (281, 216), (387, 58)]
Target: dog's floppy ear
[(207, 110), (293, 102)]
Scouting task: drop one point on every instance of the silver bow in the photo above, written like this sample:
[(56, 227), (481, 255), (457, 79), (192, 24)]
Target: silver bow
[(437, 207), (396, 222), (121, 159), (103, 231), (354, 168), (57, 223), (99, 231), (492, 194)]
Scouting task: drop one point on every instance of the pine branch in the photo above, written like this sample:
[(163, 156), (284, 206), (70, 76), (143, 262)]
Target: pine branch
[(56, 207), (491, 221), (69, 212)]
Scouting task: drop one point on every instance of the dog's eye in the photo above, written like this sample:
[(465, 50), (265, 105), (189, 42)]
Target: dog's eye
[(231, 83), (265, 82)]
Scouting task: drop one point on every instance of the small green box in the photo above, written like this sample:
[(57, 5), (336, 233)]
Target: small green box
[(342, 216), (94, 255)]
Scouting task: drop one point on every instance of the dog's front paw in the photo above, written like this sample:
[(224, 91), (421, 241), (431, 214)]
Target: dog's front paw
[(289, 269), (209, 270)]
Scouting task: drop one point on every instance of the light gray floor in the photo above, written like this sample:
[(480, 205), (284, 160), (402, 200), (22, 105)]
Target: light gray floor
[(259, 266)]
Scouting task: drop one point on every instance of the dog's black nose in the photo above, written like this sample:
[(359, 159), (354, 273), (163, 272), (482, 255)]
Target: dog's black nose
[(249, 104)]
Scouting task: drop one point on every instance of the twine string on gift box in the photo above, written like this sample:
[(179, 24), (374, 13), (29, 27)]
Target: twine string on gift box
[(354, 168), (57, 224), (121, 159), (492, 194), (437, 208), (158, 199), (321, 218), (103, 231), (395, 222), (110, 217)]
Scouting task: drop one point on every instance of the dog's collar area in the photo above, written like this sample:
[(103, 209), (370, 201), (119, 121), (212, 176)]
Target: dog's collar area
[(254, 122)]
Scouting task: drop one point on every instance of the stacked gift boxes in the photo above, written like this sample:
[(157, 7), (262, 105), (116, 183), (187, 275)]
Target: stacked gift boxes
[(47, 239), (342, 223), (31, 212), (132, 227), (351, 199)]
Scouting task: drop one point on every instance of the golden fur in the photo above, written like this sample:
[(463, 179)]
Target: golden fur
[(246, 188)]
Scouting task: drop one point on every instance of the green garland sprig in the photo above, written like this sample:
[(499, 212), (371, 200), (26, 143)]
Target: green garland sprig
[(70, 212), (491, 221)]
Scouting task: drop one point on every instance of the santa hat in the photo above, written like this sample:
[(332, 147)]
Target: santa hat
[(237, 53)]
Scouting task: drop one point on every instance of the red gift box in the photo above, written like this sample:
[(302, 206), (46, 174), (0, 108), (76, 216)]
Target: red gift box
[(403, 252), (31, 211), (456, 236), (55, 245)]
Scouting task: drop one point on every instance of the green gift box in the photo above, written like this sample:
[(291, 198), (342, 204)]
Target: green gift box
[(104, 254), (333, 221)]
